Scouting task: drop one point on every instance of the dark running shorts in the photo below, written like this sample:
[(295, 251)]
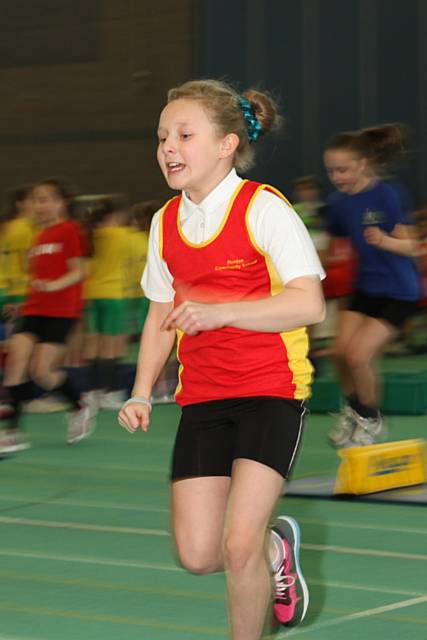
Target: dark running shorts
[(211, 435), (45, 328), (394, 311)]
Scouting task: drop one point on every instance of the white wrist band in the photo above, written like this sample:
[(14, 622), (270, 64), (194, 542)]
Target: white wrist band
[(137, 399)]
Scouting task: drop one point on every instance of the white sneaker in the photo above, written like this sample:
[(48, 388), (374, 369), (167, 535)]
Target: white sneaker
[(340, 435), (91, 399), (80, 424), (13, 441), (112, 400), (368, 431)]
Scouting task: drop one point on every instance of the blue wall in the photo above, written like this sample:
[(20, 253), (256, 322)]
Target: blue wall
[(334, 65)]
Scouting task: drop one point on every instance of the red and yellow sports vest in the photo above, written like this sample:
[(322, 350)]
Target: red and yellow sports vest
[(230, 267)]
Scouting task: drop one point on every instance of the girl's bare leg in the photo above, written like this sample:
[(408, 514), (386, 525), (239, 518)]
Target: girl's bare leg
[(255, 489), (198, 516)]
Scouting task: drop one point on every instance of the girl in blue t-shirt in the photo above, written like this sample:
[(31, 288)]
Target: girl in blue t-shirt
[(369, 210)]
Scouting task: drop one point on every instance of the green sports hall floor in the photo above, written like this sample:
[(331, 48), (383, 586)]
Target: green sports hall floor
[(85, 548)]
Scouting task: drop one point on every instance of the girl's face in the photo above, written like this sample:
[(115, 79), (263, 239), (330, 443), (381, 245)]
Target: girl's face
[(192, 155), (347, 171), (49, 206)]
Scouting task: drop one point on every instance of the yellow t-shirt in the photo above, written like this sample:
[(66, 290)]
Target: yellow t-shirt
[(138, 257), (3, 280), (18, 235), (108, 267)]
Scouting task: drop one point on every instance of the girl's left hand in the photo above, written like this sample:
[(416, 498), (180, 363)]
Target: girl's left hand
[(193, 317), (374, 236)]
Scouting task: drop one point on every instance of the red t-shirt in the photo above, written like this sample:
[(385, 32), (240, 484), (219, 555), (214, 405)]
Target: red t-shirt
[(49, 256), (422, 266), (341, 267)]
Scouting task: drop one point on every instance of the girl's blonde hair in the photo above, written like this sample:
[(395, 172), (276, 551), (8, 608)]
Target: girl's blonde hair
[(222, 105)]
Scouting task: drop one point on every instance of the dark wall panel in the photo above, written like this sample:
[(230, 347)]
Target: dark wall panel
[(48, 32), (398, 88), (335, 65), (283, 76), (220, 41), (92, 120), (332, 64), (253, 43), (339, 66)]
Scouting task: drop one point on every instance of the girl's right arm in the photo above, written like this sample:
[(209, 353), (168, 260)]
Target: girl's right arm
[(402, 240), (154, 351)]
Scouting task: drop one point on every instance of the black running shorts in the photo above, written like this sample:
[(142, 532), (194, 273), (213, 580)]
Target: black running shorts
[(46, 328), (211, 435), (393, 311)]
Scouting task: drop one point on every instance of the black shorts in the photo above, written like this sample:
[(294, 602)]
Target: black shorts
[(394, 311), (211, 435), (46, 328)]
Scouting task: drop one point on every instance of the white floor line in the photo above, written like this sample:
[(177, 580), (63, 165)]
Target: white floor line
[(357, 616), (376, 527), (149, 509), (363, 587), (120, 440), (108, 562), (40, 555), (82, 526), (82, 503), (18, 638), (108, 467), (377, 553)]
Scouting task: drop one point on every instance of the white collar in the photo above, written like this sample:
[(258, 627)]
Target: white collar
[(221, 194)]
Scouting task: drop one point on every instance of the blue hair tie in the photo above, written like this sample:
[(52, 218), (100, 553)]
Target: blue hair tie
[(252, 123)]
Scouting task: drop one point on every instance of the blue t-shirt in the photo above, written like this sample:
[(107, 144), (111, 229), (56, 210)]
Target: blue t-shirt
[(380, 272)]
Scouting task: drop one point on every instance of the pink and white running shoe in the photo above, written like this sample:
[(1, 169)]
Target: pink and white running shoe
[(291, 595)]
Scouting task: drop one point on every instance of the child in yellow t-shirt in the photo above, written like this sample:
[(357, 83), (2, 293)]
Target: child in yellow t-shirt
[(18, 231), (106, 295)]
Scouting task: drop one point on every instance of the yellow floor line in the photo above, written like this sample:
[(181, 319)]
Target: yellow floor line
[(107, 585), (103, 584), (11, 607)]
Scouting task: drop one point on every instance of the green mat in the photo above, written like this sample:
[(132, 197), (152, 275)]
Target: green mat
[(403, 392)]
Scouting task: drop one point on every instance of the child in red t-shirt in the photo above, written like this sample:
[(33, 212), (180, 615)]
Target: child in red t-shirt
[(48, 314)]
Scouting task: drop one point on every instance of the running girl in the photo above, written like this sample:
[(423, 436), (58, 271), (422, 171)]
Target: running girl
[(51, 307), (369, 211), (244, 373)]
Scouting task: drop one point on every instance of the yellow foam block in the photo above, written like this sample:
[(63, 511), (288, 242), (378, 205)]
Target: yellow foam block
[(380, 467)]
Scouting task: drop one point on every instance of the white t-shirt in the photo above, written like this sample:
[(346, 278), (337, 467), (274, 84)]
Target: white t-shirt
[(276, 227)]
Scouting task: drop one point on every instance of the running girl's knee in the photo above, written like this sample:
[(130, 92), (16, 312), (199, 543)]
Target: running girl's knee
[(340, 349), (198, 560), (240, 549), (41, 375), (356, 358)]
